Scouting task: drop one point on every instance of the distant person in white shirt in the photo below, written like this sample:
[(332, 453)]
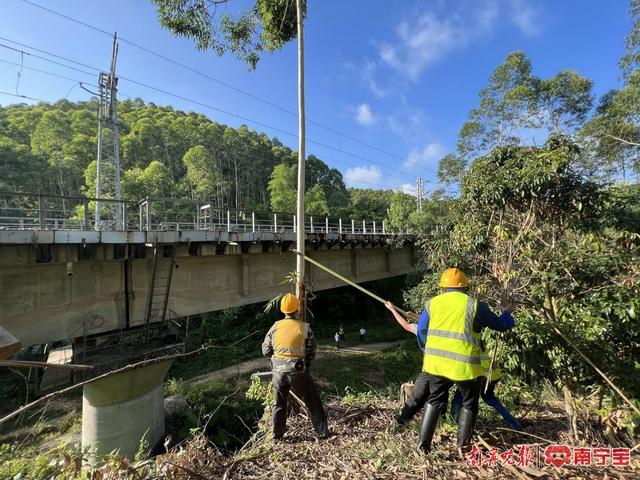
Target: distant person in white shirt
[(363, 332), (336, 337)]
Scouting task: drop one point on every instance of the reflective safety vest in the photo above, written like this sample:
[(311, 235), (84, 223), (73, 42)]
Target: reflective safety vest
[(496, 373), (289, 336), (453, 350)]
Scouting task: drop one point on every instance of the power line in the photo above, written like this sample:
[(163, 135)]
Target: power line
[(128, 96), (355, 180), (46, 72), (47, 53), (23, 96), (225, 84), (186, 99), (351, 179)]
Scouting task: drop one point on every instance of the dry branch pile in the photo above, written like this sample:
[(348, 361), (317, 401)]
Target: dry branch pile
[(366, 445)]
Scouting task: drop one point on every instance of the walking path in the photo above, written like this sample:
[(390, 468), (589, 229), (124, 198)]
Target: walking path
[(257, 364)]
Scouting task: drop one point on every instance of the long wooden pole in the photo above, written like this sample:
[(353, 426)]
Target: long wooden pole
[(345, 279), (301, 158)]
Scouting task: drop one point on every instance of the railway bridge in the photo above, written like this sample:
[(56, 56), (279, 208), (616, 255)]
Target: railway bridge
[(111, 279)]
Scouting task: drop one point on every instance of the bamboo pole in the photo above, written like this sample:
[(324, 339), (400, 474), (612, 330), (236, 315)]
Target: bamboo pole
[(346, 280)]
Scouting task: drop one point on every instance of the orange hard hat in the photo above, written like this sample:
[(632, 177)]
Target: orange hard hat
[(289, 303), (453, 278)]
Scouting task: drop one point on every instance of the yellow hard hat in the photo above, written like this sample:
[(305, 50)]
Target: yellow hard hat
[(453, 278), (289, 303)]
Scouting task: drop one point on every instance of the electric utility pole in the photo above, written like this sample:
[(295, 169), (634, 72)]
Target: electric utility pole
[(108, 165), (301, 157), (420, 194)]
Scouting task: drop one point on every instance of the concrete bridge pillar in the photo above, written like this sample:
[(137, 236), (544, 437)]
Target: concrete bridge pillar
[(119, 410)]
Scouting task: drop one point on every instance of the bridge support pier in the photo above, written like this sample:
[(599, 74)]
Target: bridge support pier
[(120, 410)]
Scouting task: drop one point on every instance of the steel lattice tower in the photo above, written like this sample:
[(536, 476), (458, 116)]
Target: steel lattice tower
[(108, 165)]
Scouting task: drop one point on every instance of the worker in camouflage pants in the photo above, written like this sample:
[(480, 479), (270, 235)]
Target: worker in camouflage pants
[(291, 346)]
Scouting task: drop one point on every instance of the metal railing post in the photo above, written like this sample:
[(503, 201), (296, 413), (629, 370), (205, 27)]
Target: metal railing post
[(253, 222), (364, 227), (353, 226), (374, 227), (383, 228), (85, 207), (42, 214), (340, 226), (326, 224), (311, 219), (148, 212), (295, 225), (124, 217), (275, 223), (228, 221)]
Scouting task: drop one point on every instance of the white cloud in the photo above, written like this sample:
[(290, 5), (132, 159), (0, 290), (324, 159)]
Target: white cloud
[(427, 37), (364, 115), (421, 43), (363, 176), (408, 188), (426, 156), (395, 126), (525, 16), (368, 77)]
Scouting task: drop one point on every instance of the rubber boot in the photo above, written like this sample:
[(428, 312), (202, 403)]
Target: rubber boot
[(466, 422), (429, 423)]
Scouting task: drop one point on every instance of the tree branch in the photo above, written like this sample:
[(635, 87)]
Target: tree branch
[(621, 140), (133, 366)]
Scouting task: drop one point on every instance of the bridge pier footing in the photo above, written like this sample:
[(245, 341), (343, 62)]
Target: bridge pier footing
[(120, 411)]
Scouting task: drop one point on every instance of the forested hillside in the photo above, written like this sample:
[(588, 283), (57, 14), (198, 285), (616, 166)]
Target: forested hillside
[(170, 153)]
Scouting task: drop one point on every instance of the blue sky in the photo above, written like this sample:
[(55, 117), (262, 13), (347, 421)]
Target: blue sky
[(398, 75)]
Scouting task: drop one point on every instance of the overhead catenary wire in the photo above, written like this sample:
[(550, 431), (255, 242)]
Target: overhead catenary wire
[(226, 84), (81, 83), (45, 72), (196, 102), (22, 96)]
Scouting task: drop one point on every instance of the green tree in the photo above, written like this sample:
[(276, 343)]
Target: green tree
[(282, 188), (331, 182), (368, 203), (451, 168), (49, 140), (564, 101), (266, 26), (153, 181), (401, 208), (530, 226), (504, 108), (631, 59), (203, 174), (21, 171), (316, 201), (612, 135)]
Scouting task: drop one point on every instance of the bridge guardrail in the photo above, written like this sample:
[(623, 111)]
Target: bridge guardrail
[(33, 211)]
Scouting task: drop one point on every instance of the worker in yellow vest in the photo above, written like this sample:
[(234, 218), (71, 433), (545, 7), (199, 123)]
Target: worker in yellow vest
[(291, 347), (453, 353)]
